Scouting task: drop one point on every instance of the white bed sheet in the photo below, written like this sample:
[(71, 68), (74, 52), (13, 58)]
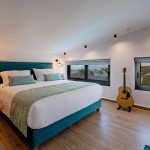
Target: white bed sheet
[(51, 109)]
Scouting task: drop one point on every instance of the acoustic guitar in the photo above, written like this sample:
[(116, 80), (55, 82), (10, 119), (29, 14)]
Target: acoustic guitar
[(124, 98)]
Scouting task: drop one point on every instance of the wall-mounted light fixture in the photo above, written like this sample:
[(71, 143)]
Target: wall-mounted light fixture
[(58, 63)]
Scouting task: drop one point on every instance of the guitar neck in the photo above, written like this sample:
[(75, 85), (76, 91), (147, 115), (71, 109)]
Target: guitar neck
[(124, 82)]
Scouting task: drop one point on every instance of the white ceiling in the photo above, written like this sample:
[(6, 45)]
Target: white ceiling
[(61, 25)]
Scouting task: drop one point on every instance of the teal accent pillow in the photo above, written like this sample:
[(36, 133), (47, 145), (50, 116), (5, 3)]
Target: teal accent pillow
[(52, 77), (21, 80)]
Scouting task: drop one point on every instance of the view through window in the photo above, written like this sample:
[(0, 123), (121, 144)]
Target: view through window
[(92, 71), (142, 73), (77, 71), (98, 72), (145, 73)]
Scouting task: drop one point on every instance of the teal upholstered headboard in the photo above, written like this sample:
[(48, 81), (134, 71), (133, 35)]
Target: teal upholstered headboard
[(5, 66)]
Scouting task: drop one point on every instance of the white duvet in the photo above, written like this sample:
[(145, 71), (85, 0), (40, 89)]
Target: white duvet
[(51, 109)]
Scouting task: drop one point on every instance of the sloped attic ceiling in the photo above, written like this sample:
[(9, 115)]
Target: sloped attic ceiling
[(61, 25)]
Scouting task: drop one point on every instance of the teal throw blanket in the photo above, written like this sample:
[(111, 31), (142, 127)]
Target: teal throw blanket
[(23, 100)]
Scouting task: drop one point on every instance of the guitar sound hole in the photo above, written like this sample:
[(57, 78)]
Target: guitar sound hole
[(124, 91)]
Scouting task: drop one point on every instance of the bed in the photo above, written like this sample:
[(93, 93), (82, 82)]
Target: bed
[(55, 112)]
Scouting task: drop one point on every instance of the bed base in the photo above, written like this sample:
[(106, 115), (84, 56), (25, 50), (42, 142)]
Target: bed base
[(37, 137)]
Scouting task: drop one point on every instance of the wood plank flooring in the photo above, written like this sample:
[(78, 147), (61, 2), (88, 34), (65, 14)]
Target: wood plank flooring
[(108, 129)]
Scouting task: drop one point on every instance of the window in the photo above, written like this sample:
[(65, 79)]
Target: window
[(98, 72), (142, 73), (77, 71), (90, 70)]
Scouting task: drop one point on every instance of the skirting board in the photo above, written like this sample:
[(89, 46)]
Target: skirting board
[(136, 106)]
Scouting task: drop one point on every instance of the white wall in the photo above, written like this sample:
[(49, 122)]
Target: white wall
[(32, 56), (121, 52)]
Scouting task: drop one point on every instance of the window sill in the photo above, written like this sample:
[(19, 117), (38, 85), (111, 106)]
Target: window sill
[(94, 81), (142, 89)]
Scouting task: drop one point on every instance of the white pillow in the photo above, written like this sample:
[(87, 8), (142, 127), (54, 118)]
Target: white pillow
[(39, 73), (5, 74)]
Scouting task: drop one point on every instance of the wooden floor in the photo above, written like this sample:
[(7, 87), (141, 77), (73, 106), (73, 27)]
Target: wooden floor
[(109, 129)]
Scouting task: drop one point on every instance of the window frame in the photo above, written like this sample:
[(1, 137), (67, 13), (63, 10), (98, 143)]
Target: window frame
[(138, 85), (102, 82)]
